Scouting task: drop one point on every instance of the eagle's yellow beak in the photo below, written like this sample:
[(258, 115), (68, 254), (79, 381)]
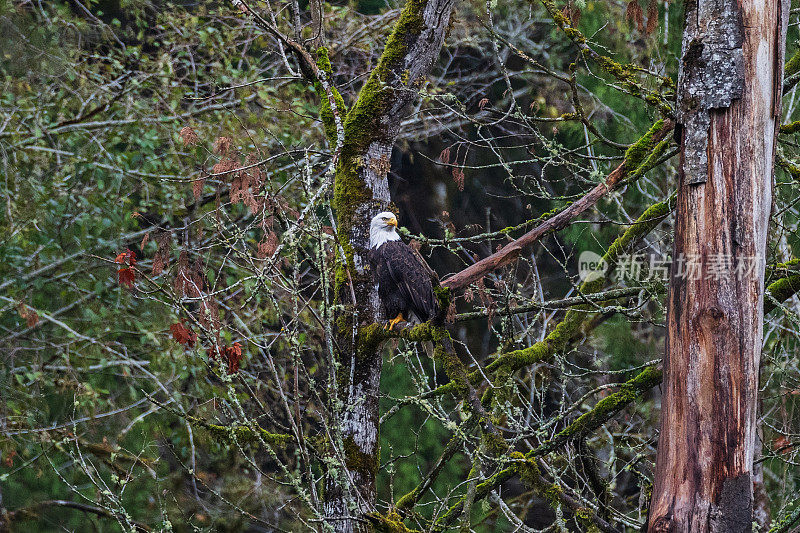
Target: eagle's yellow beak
[(392, 222)]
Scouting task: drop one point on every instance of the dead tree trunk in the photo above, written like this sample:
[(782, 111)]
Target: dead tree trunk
[(371, 128), (728, 105)]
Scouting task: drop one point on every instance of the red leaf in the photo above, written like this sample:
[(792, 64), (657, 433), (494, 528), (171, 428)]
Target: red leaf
[(458, 177), (444, 157), (783, 445), (127, 257), (183, 335), (231, 356), (126, 277), (9, 458), (483, 103), (234, 357)]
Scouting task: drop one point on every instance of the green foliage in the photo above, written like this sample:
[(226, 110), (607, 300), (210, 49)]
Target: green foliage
[(411, 433), (101, 403)]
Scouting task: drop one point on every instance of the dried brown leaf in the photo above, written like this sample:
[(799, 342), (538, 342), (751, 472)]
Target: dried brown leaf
[(188, 136), (225, 167), (161, 257), (222, 145), (268, 245), (30, 316), (197, 187), (652, 16), (181, 277), (634, 14)]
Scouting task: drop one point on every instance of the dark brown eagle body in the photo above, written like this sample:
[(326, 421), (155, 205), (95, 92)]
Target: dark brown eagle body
[(404, 285)]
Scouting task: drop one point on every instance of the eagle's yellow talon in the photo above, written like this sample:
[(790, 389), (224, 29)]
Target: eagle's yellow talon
[(393, 322)]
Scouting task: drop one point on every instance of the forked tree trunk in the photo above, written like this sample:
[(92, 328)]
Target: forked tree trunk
[(371, 128), (729, 92)]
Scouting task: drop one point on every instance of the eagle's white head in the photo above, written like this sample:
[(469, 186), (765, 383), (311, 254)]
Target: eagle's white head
[(383, 228)]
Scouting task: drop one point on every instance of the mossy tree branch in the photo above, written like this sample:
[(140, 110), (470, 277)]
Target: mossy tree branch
[(639, 158), (562, 334), (31, 513), (608, 407), (528, 470), (361, 190), (622, 73)]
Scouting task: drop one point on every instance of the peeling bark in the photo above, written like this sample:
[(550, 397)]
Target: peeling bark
[(711, 75), (728, 110)]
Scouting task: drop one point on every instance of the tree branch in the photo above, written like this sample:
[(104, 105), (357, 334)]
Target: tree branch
[(638, 158), (29, 512)]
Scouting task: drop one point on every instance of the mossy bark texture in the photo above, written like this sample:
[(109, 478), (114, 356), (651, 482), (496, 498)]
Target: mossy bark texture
[(361, 190)]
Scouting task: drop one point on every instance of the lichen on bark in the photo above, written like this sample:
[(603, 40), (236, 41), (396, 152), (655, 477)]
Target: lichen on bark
[(361, 189), (326, 111), (711, 76)]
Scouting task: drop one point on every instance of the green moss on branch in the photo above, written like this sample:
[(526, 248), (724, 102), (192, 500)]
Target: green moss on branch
[(625, 74), (558, 339), (605, 409), (363, 123), (246, 435), (638, 151), (792, 127), (390, 522), (525, 465), (326, 112), (357, 460), (793, 65), (781, 290), (787, 522)]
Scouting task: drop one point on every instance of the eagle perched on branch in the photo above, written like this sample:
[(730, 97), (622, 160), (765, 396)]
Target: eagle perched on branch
[(404, 281)]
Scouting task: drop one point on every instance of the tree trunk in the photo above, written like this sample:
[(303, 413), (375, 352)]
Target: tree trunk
[(729, 92), (760, 497), (361, 191)]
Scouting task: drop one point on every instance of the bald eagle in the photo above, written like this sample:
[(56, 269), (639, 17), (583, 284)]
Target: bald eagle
[(404, 284)]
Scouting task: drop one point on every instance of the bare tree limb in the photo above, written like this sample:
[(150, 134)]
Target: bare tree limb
[(640, 154)]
